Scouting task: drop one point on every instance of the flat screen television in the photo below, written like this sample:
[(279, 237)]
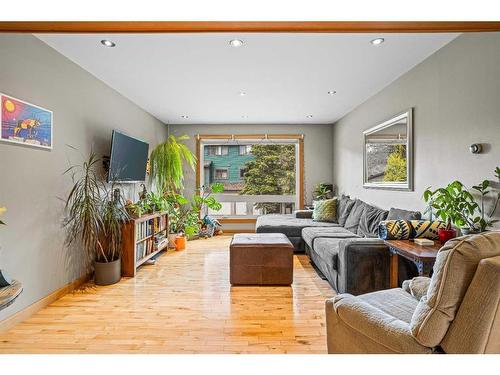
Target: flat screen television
[(129, 157)]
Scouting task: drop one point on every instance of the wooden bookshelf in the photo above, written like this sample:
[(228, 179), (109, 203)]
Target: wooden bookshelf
[(138, 244)]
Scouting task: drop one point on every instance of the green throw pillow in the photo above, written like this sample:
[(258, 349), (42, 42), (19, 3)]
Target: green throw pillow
[(325, 210)]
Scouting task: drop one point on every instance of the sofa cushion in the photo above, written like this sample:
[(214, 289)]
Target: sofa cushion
[(325, 210), (286, 224), (344, 208), (399, 214), (309, 234), (370, 219), (303, 214), (328, 250), (394, 302), (455, 266), (352, 221)]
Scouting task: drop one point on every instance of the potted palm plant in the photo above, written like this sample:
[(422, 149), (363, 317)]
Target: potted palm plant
[(94, 219)]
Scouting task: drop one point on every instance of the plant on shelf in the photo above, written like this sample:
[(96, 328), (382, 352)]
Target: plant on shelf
[(321, 192), (94, 219), (167, 161)]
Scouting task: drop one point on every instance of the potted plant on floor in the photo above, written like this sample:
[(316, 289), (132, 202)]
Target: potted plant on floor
[(454, 205), (94, 219)]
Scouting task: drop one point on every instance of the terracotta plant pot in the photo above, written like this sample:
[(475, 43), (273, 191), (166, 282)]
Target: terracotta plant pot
[(446, 234), (180, 243), (107, 273)]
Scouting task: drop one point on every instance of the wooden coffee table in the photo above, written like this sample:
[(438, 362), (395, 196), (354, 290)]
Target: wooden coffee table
[(423, 256)]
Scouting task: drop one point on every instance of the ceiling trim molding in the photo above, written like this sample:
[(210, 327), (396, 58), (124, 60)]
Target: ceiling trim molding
[(247, 26)]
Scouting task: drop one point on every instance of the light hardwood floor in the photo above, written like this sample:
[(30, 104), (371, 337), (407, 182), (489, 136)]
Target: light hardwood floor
[(183, 304)]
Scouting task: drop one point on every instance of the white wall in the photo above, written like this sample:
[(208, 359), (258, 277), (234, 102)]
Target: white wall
[(455, 94), (31, 180)]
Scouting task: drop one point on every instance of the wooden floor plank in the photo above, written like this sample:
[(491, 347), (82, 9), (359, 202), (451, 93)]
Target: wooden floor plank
[(182, 304)]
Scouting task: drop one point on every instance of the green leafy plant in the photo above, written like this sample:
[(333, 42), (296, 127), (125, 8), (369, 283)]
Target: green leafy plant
[(184, 215), (453, 204), (321, 192), (167, 161), (94, 215), (395, 169), (483, 220)]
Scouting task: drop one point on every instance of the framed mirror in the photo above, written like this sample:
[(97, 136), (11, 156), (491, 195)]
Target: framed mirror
[(388, 154)]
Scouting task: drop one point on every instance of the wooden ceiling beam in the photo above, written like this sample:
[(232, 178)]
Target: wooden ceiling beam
[(247, 26)]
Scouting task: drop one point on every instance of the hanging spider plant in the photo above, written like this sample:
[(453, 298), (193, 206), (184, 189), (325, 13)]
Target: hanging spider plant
[(167, 161)]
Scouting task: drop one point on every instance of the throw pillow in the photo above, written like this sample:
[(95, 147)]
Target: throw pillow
[(399, 214), (409, 229), (344, 208), (371, 218), (352, 221), (325, 210)]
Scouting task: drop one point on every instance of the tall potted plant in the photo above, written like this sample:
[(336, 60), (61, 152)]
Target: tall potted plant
[(167, 161), (94, 218)]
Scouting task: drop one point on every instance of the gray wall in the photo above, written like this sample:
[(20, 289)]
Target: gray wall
[(455, 94), (85, 112), (317, 147)]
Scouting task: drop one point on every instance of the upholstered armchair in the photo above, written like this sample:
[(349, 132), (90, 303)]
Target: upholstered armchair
[(455, 311)]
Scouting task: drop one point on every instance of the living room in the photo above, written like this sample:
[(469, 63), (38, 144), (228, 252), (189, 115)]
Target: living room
[(250, 187)]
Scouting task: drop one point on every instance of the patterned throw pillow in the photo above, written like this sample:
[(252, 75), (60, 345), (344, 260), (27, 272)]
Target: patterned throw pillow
[(325, 210), (409, 229)]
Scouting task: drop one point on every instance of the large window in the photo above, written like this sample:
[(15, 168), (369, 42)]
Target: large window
[(261, 175)]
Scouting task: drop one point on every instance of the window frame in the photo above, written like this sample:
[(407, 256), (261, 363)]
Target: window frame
[(221, 178), (236, 139)]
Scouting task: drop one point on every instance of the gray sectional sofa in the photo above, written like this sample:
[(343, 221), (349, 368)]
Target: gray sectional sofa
[(347, 252)]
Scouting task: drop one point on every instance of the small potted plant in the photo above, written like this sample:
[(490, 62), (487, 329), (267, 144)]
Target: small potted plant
[(94, 219), (453, 204), (322, 192)]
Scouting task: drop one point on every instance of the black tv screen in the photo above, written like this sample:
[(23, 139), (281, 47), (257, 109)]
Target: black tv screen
[(128, 160)]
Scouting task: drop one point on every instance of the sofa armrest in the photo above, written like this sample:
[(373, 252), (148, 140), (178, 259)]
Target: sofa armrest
[(374, 329), (303, 214), (363, 265)]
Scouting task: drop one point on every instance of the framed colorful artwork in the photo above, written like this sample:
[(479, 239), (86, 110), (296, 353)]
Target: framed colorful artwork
[(25, 123)]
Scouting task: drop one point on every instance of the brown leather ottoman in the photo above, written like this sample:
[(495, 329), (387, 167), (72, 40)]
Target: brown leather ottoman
[(260, 259)]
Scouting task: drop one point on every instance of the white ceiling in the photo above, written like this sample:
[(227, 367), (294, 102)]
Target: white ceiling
[(285, 76)]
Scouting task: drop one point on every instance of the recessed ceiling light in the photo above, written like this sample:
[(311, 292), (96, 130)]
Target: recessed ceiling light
[(108, 43), (185, 116), (242, 93), (244, 116), (378, 41), (332, 92), (236, 43), (309, 116)]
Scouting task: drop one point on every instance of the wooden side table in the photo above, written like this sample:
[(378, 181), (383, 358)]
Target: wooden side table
[(423, 256)]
